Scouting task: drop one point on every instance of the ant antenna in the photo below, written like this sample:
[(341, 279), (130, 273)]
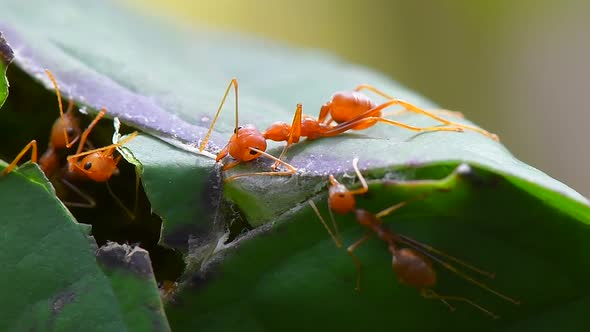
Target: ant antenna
[(61, 109), (335, 237), (233, 82), (108, 147)]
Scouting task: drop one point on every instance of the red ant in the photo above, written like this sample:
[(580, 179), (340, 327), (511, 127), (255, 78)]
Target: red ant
[(412, 263), (97, 165), (345, 106), (247, 143)]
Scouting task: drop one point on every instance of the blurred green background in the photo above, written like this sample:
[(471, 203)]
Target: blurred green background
[(517, 68)]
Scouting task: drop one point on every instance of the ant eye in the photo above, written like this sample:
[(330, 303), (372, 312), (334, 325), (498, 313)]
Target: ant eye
[(87, 165), (236, 129), (252, 152), (70, 131)]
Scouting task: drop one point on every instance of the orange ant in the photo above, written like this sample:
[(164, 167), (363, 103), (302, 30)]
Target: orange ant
[(345, 106), (247, 143), (97, 165), (64, 133), (412, 263)]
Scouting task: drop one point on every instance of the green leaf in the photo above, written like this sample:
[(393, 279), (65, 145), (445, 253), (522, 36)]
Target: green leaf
[(6, 57), (290, 273), (51, 277), (181, 189), (286, 274)]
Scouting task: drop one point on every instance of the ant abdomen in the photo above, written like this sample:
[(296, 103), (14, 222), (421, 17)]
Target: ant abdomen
[(346, 105), (413, 269)]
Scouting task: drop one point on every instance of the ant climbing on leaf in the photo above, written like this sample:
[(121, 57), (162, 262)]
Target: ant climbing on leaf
[(97, 164), (411, 260), (247, 143)]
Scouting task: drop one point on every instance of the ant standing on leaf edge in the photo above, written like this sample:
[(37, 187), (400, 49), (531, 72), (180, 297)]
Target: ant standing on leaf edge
[(412, 261), (350, 110)]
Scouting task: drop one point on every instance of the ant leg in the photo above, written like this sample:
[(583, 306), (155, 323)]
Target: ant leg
[(33, 146), (87, 131), (419, 245), (365, 187), (130, 214), (454, 114), (427, 250), (411, 108), (231, 165), (356, 260), (410, 127), (61, 110), (386, 96), (415, 109), (344, 126), (73, 158), (292, 170), (430, 294), (222, 153), (463, 275), (234, 82), (335, 237), (294, 134), (392, 208), (90, 202)]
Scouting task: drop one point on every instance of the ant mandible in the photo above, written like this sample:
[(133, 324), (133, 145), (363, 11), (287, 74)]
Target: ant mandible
[(347, 105), (412, 263), (247, 143)]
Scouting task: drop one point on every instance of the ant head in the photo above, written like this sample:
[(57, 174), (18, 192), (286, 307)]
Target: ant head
[(71, 126), (97, 166), (413, 269), (242, 140), (340, 199)]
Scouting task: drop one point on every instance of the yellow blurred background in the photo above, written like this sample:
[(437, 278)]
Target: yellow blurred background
[(517, 68)]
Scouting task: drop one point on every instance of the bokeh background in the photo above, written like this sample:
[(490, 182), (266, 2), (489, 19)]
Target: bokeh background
[(518, 68)]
